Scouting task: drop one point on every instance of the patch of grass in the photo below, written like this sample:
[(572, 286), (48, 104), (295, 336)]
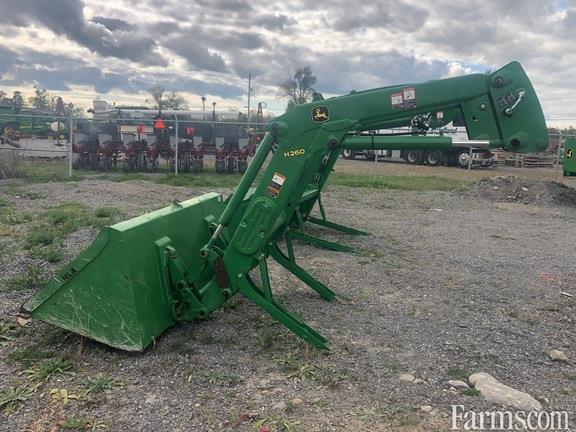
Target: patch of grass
[(40, 235), (52, 253), (296, 367), (212, 377), (13, 397), (412, 183), (44, 238), (47, 369), (9, 332), (33, 278), (45, 171), (100, 383), (458, 374), (276, 423), (106, 212), (7, 231), (398, 416), (370, 413), (88, 423), (27, 356), (205, 179), (266, 341), (470, 392), (512, 313), (67, 217), (12, 218)]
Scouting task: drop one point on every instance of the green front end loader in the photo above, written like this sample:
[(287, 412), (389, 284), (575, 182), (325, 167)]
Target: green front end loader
[(569, 160), (141, 276)]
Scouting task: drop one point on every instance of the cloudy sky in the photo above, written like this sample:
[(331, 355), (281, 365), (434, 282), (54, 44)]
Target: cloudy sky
[(117, 49)]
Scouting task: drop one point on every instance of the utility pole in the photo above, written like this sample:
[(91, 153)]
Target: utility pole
[(249, 91)]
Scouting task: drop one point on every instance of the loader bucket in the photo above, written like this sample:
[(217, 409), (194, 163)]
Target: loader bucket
[(116, 291)]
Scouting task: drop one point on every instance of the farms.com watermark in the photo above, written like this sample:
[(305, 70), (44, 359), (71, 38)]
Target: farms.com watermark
[(463, 420)]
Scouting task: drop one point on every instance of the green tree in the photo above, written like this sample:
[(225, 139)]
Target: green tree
[(41, 99), (298, 89), (17, 98), (174, 100)]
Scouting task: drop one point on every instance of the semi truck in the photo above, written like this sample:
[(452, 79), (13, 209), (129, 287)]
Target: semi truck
[(458, 156)]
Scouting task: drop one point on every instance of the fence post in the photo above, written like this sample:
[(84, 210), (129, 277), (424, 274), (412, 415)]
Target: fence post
[(176, 144), (558, 150), (470, 159), (70, 143)]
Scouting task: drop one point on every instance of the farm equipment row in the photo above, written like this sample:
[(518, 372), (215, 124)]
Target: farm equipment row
[(108, 146)]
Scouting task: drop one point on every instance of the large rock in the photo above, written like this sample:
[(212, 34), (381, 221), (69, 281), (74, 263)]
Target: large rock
[(494, 391), (458, 384), (558, 356)]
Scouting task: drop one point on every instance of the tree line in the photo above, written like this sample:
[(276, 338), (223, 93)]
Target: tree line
[(41, 100)]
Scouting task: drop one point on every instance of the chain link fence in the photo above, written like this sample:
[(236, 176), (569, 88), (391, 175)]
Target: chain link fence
[(181, 144), (131, 144)]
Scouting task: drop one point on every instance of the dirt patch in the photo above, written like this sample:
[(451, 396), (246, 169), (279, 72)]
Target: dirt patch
[(518, 190)]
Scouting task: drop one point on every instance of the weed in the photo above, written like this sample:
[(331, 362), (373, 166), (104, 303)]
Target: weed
[(277, 423), (34, 278), (512, 313), (470, 392), (47, 369), (9, 332), (398, 416), (64, 396), (295, 368), (40, 235), (88, 423), (106, 212), (67, 217), (266, 341), (370, 414), (52, 253), (13, 397), (100, 384), (212, 376), (458, 374)]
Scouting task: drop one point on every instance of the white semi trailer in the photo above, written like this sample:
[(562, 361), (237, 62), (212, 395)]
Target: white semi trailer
[(457, 156)]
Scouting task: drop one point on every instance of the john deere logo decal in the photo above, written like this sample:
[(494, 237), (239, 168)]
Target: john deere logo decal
[(569, 153), (320, 114)]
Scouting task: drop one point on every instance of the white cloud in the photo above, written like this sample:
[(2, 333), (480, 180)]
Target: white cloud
[(208, 47)]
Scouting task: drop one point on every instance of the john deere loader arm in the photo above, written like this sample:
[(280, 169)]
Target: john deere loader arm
[(182, 262)]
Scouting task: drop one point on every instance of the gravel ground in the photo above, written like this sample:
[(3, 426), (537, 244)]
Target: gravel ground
[(449, 284)]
